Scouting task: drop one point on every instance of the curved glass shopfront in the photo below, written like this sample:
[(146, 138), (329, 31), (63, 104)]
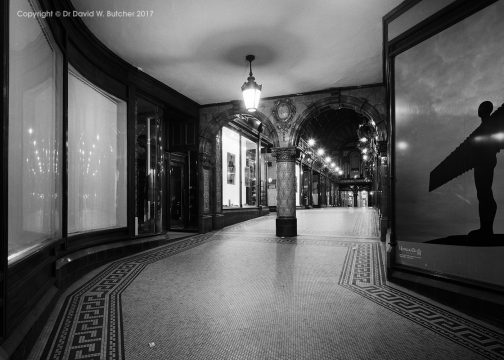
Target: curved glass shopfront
[(35, 134)]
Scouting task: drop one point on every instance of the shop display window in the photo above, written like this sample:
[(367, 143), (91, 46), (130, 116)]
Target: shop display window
[(35, 134), (96, 157), (240, 166)]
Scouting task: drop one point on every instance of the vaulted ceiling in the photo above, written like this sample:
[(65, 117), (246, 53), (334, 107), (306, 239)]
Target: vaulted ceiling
[(334, 130), (198, 47)]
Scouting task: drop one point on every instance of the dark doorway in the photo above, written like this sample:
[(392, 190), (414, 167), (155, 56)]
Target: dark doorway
[(149, 173), (178, 200)]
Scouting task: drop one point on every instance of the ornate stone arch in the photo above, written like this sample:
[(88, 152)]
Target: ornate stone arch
[(210, 208), (207, 134), (359, 105)]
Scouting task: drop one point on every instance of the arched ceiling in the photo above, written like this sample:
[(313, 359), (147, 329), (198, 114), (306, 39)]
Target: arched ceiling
[(334, 130), (198, 47)]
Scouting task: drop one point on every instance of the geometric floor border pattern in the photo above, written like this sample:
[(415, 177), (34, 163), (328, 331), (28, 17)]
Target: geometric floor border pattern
[(363, 274), (89, 325)]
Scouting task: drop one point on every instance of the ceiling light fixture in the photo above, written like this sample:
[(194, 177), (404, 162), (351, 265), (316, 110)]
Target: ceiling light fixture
[(251, 91)]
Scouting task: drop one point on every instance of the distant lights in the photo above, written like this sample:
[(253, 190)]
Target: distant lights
[(402, 145), (363, 139), (320, 152), (311, 142), (30, 131), (365, 157), (499, 136), (327, 159), (365, 150)]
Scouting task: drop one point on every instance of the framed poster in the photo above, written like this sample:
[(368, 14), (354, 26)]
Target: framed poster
[(231, 168), (449, 165)]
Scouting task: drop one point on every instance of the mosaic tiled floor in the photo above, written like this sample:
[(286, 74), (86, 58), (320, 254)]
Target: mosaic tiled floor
[(244, 294)]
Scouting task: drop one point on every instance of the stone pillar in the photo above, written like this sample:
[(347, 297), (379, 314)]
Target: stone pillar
[(217, 215), (310, 187), (206, 169), (286, 222)]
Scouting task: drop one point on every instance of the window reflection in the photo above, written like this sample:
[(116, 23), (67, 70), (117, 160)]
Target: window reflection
[(96, 157), (35, 129), (230, 168), (240, 171), (149, 157), (249, 165)]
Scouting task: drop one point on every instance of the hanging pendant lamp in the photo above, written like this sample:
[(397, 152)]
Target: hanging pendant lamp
[(251, 91)]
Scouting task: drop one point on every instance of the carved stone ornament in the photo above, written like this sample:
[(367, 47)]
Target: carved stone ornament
[(285, 154), (206, 160), (284, 111)]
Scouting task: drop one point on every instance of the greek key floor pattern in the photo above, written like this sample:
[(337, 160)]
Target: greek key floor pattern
[(364, 274), (90, 323), (242, 294)]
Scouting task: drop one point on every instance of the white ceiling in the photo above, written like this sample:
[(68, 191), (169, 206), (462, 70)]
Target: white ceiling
[(198, 47)]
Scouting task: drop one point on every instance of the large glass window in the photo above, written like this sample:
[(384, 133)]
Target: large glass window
[(272, 190), (264, 176), (315, 189), (96, 157), (347, 198), (306, 185), (230, 168), (35, 129), (240, 166), (249, 168)]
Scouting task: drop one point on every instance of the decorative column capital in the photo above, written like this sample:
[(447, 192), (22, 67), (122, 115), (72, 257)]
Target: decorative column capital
[(285, 154)]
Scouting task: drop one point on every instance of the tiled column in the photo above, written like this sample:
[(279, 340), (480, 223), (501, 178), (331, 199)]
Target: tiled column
[(206, 167), (286, 222), (218, 216), (310, 187)]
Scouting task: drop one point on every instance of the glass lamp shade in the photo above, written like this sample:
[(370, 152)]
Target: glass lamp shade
[(251, 94)]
